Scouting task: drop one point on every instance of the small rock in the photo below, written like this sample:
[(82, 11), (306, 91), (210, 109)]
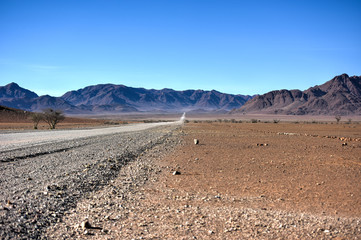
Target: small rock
[(196, 141), (176, 173), (85, 224), (344, 144)]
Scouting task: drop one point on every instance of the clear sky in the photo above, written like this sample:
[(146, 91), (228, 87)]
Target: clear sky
[(233, 46)]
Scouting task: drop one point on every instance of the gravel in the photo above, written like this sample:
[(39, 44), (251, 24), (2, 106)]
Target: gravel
[(113, 187), (139, 204), (40, 182), (11, 141)]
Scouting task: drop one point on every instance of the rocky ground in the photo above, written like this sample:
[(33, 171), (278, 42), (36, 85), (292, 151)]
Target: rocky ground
[(41, 184), (241, 181)]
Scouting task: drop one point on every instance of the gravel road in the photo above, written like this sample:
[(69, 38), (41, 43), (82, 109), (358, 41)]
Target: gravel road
[(44, 174), (11, 141)]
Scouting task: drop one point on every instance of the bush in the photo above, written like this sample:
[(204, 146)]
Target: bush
[(53, 117), (111, 123), (36, 118)]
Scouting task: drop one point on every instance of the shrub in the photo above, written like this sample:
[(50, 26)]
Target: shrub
[(36, 118), (53, 117)]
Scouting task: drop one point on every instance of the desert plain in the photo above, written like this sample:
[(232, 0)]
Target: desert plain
[(243, 180)]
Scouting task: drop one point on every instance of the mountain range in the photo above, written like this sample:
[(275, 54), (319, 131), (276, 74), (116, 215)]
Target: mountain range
[(112, 99), (339, 96)]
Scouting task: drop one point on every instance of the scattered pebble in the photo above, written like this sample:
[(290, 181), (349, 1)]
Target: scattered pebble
[(85, 225)]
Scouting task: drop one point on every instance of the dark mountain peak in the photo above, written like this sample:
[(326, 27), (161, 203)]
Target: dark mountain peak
[(12, 85), (46, 96), (13, 90), (340, 79), (343, 76), (341, 84), (340, 95), (167, 90)]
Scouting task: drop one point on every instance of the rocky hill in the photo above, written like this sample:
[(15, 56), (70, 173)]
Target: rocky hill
[(110, 98), (13, 115), (339, 96)]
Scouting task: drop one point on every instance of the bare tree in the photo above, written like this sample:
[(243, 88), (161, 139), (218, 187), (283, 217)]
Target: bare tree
[(338, 118), (36, 118), (53, 117)]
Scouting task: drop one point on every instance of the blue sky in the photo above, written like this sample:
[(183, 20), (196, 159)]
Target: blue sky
[(233, 46)]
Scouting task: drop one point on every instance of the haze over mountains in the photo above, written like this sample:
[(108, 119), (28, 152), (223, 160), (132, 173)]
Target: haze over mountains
[(341, 96), (110, 98)]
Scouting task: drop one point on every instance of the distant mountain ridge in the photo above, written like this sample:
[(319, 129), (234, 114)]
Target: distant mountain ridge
[(339, 96), (150, 100), (111, 98)]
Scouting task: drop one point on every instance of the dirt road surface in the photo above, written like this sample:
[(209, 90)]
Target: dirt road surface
[(10, 141), (44, 174)]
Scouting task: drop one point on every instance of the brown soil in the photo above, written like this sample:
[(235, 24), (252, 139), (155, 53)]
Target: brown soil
[(242, 181), (293, 167), (68, 123)]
